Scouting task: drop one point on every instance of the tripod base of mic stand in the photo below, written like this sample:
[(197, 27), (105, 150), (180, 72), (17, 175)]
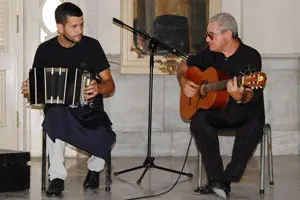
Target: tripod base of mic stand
[(149, 163)]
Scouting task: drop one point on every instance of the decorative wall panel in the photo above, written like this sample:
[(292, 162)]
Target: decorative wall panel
[(3, 25)]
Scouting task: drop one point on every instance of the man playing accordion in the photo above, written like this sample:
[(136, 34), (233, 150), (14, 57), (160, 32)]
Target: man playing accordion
[(86, 127)]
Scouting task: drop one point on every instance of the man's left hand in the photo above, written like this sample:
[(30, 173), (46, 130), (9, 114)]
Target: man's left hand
[(234, 90), (239, 93), (91, 90)]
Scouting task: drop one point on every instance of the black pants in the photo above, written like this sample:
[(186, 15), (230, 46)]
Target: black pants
[(248, 125)]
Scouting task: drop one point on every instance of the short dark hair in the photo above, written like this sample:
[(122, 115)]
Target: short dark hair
[(65, 10)]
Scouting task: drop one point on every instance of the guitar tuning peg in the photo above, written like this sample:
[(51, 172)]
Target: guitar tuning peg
[(260, 87)]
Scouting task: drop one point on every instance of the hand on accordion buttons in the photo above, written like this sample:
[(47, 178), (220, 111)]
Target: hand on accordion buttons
[(91, 90)]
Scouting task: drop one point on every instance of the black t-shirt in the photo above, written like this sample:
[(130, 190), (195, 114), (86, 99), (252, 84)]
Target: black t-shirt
[(87, 127), (243, 61), (87, 54)]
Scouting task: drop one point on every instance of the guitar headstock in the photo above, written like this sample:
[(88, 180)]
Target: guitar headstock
[(255, 80)]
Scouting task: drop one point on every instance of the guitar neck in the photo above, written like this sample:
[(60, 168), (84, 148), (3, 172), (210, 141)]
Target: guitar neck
[(221, 85)]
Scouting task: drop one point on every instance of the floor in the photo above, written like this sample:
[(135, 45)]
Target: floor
[(286, 173)]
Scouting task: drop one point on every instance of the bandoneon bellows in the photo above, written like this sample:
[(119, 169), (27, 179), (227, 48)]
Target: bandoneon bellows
[(58, 86)]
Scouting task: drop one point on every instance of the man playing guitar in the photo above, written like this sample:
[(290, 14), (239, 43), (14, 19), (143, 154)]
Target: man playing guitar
[(244, 111)]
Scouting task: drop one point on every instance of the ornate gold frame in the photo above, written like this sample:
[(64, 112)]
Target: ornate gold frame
[(132, 62)]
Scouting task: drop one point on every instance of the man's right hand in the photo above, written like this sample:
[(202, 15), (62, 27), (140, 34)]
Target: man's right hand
[(190, 88), (25, 88)]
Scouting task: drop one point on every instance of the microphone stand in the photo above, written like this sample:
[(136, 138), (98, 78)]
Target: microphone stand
[(149, 160)]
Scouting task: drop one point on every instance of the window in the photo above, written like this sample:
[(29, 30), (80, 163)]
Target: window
[(48, 24)]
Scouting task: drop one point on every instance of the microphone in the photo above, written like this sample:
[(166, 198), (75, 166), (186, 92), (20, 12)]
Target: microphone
[(83, 66), (118, 21)]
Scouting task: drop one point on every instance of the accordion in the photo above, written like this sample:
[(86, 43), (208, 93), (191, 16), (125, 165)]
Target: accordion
[(58, 86)]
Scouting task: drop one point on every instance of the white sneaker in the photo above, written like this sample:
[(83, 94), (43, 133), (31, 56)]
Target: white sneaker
[(220, 192)]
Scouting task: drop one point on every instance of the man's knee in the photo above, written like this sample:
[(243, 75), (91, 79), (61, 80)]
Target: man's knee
[(255, 126), (198, 122)]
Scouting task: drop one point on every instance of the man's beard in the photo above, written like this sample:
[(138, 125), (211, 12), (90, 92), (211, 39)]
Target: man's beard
[(70, 40)]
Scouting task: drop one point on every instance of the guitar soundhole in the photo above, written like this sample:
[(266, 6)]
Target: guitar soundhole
[(202, 95)]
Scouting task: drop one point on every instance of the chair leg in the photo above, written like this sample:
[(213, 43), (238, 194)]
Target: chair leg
[(262, 164), (108, 173), (44, 157), (200, 169), (199, 172), (270, 156)]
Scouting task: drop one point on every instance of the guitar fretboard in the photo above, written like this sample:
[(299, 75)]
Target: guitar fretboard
[(220, 85)]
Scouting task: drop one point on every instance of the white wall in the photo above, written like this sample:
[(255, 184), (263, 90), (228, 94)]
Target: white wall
[(108, 33), (296, 32), (259, 27), (98, 23), (271, 26), (234, 7)]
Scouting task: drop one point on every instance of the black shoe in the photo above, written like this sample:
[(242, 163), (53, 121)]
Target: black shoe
[(56, 186), (91, 180), (227, 187), (205, 189), (221, 190)]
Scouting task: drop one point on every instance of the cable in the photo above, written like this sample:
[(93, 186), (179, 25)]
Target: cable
[(185, 159), (155, 195)]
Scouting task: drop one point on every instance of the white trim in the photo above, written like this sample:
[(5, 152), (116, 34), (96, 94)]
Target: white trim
[(281, 56), (19, 76), (31, 42), (2, 98)]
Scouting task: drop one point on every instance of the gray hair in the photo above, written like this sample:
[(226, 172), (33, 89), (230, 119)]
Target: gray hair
[(226, 22)]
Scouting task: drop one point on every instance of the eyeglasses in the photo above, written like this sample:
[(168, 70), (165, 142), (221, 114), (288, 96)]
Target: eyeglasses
[(211, 36)]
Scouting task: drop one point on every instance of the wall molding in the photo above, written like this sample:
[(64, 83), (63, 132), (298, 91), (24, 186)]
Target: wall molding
[(295, 56), (2, 98)]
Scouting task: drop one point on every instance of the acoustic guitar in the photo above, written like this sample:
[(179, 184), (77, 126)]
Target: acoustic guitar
[(214, 85)]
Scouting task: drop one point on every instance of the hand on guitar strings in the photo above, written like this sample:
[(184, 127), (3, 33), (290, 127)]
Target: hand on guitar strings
[(91, 90), (190, 88)]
